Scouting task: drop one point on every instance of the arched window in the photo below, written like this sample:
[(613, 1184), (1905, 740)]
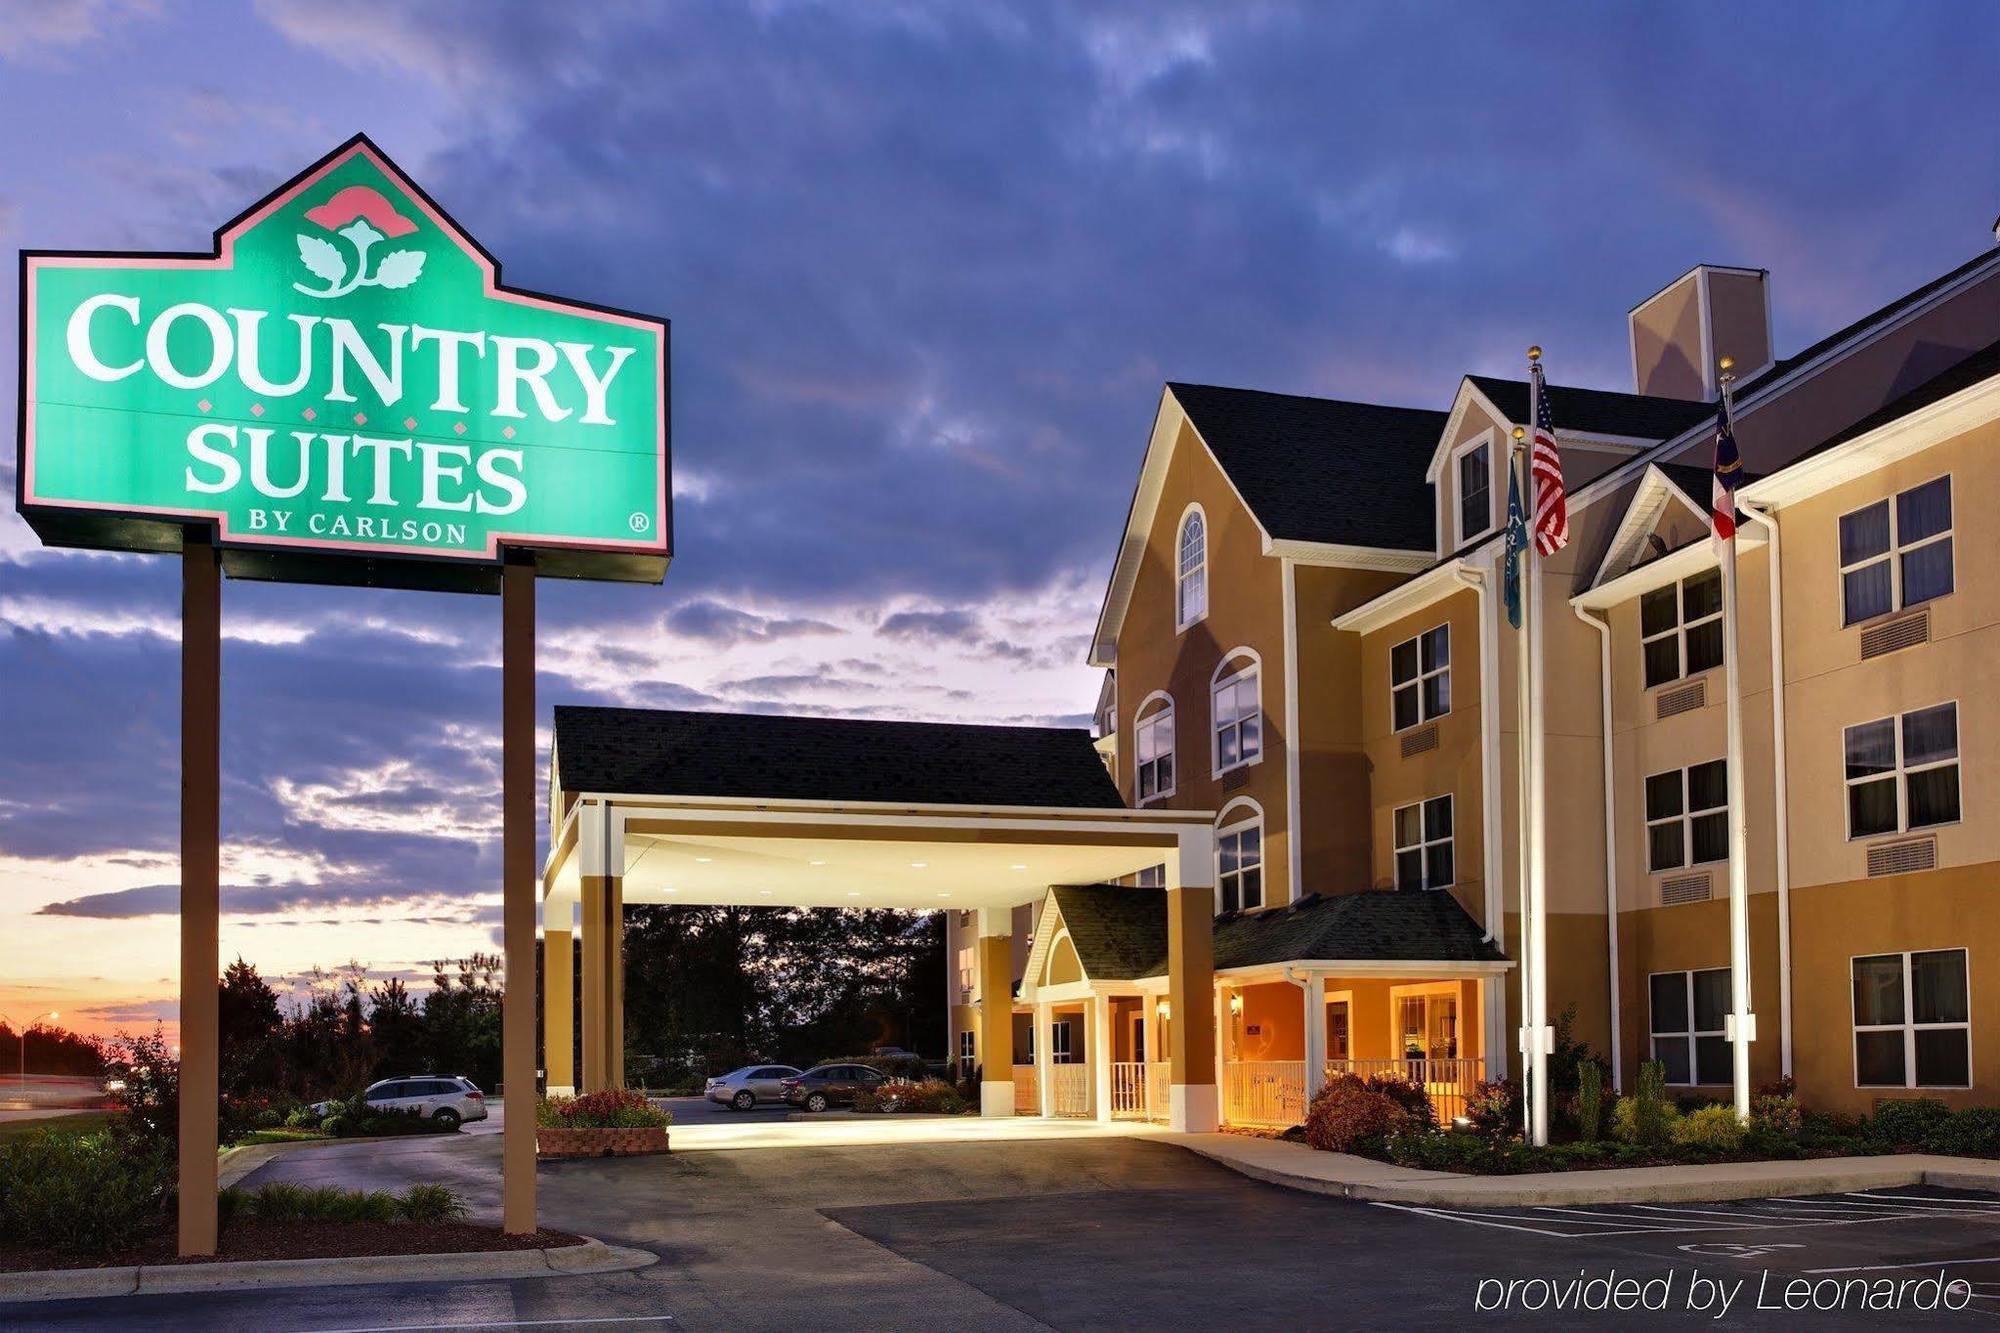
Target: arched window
[(1239, 856), (1191, 579), (1236, 711), (1153, 748)]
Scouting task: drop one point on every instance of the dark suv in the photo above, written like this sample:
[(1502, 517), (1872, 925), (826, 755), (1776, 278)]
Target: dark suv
[(831, 1085)]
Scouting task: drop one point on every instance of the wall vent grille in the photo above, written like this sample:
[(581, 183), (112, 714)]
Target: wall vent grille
[(1420, 741), (1892, 635), (1685, 889), (1682, 699), (1902, 858)]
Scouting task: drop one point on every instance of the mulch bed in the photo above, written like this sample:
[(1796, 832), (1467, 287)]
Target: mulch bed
[(301, 1240)]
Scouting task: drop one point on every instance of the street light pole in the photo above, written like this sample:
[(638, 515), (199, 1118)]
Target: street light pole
[(23, 1033)]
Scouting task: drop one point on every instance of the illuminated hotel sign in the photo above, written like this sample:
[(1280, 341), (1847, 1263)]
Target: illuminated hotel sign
[(345, 376)]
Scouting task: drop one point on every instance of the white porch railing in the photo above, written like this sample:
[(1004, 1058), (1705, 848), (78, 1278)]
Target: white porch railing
[(1448, 1082), (1027, 1098), (1264, 1092), (1069, 1086), (1158, 1099), (1130, 1091)]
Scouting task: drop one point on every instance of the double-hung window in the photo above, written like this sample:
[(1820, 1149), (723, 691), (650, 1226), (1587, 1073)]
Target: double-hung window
[(967, 969), (1895, 554), (1238, 728), (1239, 856), (1902, 772), (1420, 678), (1688, 1009), (1155, 754), (1475, 491), (1059, 1048), (1681, 628), (1687, 816), (968, 1055), (1424, 844), (1191, 571), (1912, 1021)]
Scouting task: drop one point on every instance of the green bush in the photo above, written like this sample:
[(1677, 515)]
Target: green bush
[(1906, 1122), (1494, 1108), (933, 1096), (1449, 1150), (335, 1125), (1711, 1129), (1589, 1100), (431, 1204), (1830, 1131), (84, 1193), (1776, 1116), (1646, 1118), (1973, 1132), (616, 1109)]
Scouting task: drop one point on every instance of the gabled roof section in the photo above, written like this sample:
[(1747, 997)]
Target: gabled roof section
[(1597, 411), (1372, 926), (1661, 486), (1119, 932), (1319, 469), (759, 756), (1340, 479)]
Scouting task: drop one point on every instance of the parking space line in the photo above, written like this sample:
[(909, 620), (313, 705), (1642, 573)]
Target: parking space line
[(1988, 1205), (1927, 1263), (1718, 1212), (1910, 1210), (1447, 1216), (1616, 1218)]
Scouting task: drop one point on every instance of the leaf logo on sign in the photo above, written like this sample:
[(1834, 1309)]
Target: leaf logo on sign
[(363, 218)]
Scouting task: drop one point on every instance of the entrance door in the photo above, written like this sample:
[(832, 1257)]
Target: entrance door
[(1136, 1042)]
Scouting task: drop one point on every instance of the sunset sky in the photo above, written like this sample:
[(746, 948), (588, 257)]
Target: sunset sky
[(927, 267)]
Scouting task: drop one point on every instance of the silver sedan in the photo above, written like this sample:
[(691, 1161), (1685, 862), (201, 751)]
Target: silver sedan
[(744, 1088)]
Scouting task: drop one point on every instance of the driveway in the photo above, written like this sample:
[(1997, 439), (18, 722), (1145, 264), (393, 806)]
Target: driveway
[(1078, 1233)]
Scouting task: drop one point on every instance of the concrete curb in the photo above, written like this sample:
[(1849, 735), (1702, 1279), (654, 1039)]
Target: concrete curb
[(591, 1257), (1295, 1166)]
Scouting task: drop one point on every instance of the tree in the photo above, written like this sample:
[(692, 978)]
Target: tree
[(251, 1027)]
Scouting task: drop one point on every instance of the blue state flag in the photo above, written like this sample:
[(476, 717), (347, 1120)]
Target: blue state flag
[(1517, 544)]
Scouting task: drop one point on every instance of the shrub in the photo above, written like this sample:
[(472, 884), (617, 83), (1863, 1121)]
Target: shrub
[(335, 1125), (1713, 1128), (85, 1193), (1494, 1108), (431, 1204), (1451, 1150), (933, 1096), (1776, 1115), (1906, 1122), (1349, 1115), (1589, 1100), (1406, 1094), (616, 1108), (1646, 1118), (1973, 1132), (1833, 1131)]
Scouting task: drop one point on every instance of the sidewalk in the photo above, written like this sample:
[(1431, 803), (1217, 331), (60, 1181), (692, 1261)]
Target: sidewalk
[(1298, 1167)]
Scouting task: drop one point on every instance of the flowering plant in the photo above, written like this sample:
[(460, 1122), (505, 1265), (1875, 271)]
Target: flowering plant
[(617, 1108)]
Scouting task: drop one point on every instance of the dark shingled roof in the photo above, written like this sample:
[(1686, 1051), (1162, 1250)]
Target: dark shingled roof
[(1121, 933), (1320, 470), (1598, 411), (1983, 364), (658, 752)]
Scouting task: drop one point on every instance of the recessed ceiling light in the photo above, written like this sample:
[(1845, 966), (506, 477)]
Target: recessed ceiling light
[(854, 893), (944, 895), (673, 890), (918, 865), (1017, 867), (815, 863), (704, 858), (765, 892)]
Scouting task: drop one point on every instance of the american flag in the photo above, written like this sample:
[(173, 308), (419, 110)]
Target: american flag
[(1545, 466), (1728, 472)]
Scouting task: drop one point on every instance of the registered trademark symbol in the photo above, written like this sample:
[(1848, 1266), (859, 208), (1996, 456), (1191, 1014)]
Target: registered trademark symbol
[(639, 522)]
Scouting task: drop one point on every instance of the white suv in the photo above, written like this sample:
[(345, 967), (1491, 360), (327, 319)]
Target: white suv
[(448, 1101)]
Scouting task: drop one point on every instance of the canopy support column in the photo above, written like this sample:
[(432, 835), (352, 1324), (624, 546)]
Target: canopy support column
[(996, 1011), (1193, 1104)]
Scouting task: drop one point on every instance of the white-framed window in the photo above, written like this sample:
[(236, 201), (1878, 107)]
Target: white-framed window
[(1902, 772), (1424, 844), (1152, 877), (1236, 713), (1687, 816), (1680, 627), (1420, 678), (1059, 1050), (968, 969), (968, 1055), (1153, 749), (1107, 706), (1191, 569), (1688, 1009), (1239, 857), (1912, 1020), (1896, 553), (1475, 489)]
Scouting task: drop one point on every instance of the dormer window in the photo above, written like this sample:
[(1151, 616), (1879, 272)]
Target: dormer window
[(1191, 581), (1475, 491)]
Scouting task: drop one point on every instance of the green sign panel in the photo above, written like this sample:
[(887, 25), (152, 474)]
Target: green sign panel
[(344, 377)]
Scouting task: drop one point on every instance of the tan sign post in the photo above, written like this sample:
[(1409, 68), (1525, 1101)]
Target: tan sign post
[(342, 392)]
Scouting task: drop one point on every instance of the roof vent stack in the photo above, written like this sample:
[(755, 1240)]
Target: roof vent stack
[(1707, 313)]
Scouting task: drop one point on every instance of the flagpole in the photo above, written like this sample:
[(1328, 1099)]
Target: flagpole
[(1538, 905), (1742, 1023), (1522, 872)]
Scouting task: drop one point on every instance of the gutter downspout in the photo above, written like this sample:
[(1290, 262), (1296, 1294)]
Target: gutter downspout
[(1603, 628), (1489, 746), (1780, 782)]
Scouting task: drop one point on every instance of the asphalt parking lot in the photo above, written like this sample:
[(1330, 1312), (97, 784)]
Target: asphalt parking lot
[(1102, 1233)]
